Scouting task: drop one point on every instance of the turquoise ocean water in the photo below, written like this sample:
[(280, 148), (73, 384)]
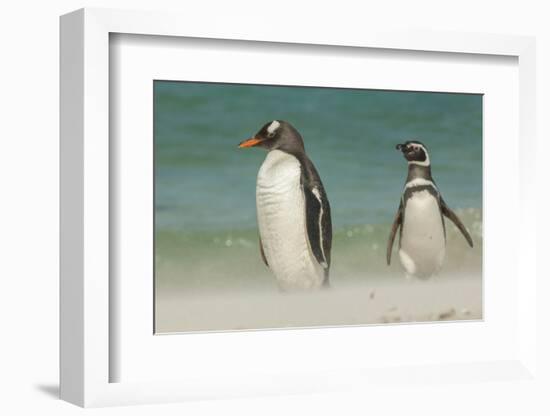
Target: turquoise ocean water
[(205, 218)]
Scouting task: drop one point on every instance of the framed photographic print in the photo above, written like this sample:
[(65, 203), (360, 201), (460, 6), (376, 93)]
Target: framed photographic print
[(318, 263), (248, 215)]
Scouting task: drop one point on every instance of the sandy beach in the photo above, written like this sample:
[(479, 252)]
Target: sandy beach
[(399, 300)]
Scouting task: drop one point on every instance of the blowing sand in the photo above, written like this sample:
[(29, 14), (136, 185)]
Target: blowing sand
[(388, 301)]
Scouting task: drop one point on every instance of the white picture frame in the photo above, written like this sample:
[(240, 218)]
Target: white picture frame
[(86, 291)]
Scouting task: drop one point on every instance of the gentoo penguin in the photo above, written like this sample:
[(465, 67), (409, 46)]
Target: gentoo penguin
[(293, 210), (420, 215)]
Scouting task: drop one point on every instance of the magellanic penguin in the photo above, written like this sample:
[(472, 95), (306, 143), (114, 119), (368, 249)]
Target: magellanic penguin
[(293, 210), (422, 234)]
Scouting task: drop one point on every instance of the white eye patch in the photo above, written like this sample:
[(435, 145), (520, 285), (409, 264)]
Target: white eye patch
[(273, 126)]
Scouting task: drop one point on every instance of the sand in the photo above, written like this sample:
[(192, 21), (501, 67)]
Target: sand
[(378, 302)]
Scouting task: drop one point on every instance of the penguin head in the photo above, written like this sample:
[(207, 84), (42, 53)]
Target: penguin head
[(276, 134), (415, 152)]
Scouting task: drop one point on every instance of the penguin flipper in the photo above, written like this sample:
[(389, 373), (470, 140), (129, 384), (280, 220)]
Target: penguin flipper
[(448, 212), (262, 252), (318, 224), (395, 226)]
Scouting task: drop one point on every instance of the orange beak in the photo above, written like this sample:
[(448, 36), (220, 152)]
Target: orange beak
[(253, 141)]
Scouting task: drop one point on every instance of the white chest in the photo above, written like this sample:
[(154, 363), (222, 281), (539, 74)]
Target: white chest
[(422, 213), (279, 174), (281, 221), (422, 245)]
